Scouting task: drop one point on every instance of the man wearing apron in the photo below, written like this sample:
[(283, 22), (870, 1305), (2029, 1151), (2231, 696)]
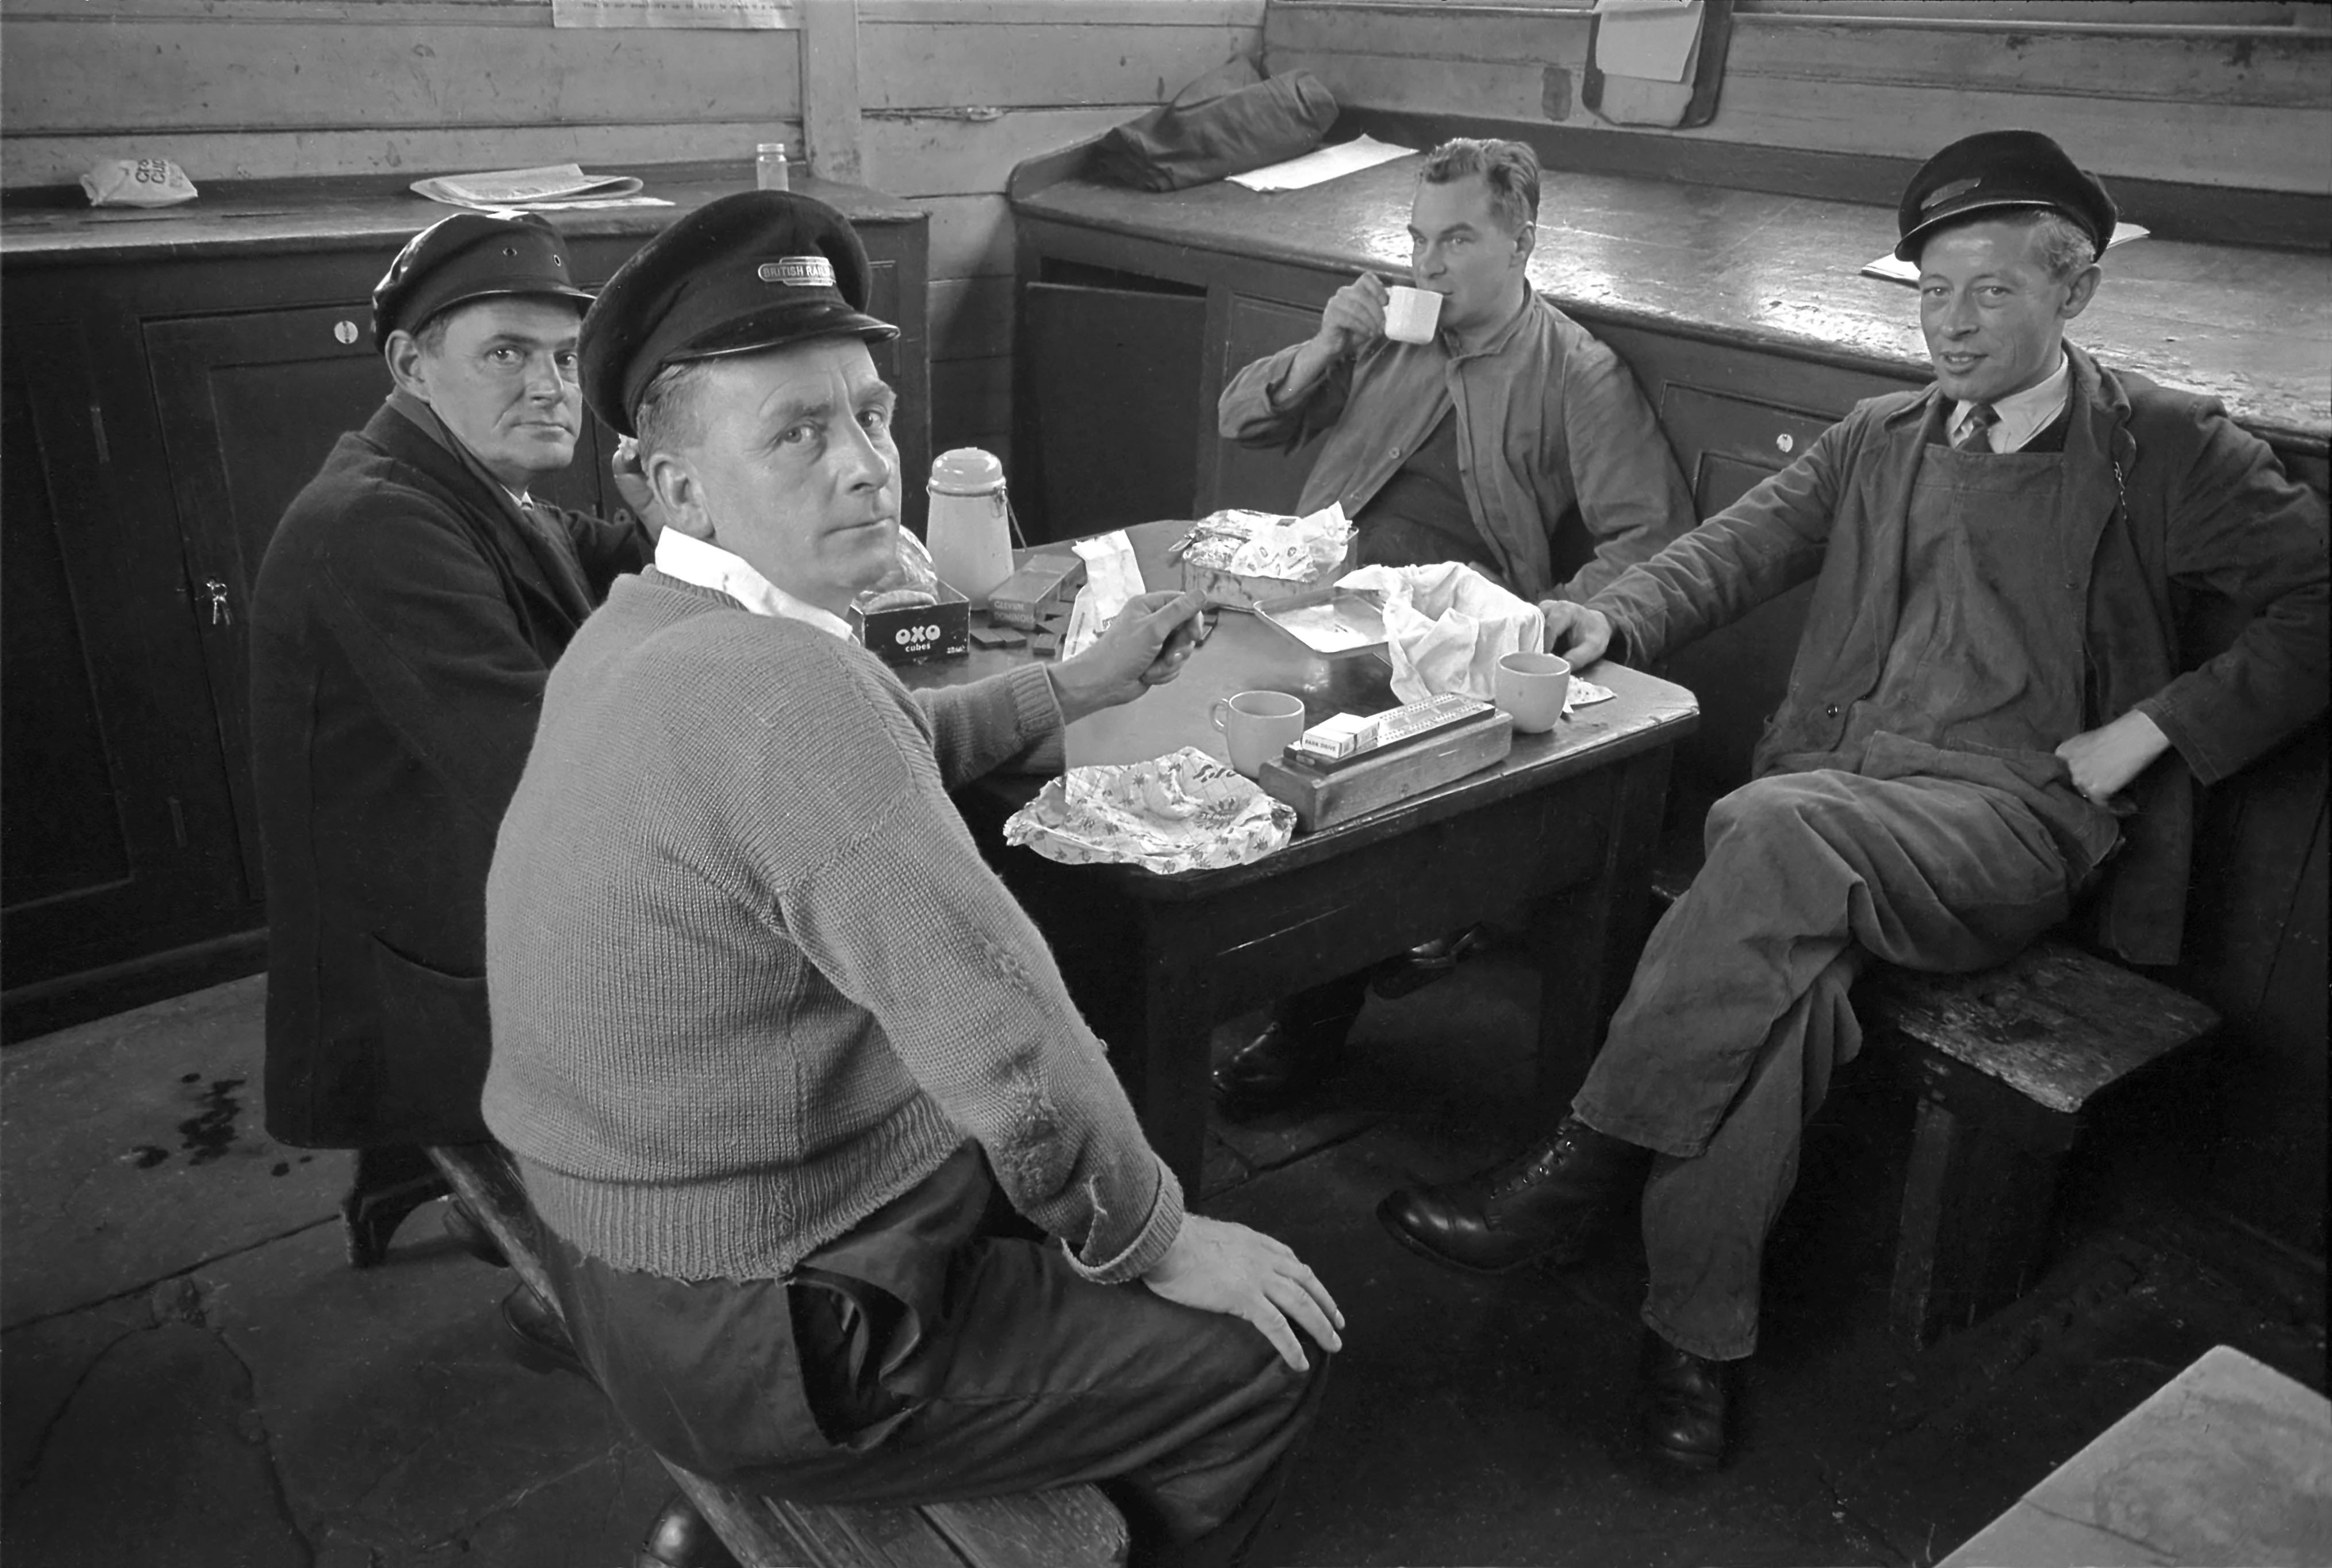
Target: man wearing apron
[(1989, 701)]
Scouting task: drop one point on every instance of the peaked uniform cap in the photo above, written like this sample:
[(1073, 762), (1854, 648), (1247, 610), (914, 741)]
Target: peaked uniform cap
[(1999, 171), (471, 256), (752, 272)]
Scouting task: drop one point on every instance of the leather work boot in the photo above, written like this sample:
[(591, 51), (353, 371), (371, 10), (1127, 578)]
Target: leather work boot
[(536, 1337), (1424, 964), (1277, 1068), (1685, 1398), (1548, 1200)]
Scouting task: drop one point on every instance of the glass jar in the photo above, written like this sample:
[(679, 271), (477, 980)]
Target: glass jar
[(770, 166)]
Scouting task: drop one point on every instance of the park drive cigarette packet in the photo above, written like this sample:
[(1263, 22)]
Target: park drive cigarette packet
[(1338, 736)]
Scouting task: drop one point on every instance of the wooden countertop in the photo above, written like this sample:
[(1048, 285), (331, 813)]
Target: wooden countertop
[(280, 217), (2252, 327)]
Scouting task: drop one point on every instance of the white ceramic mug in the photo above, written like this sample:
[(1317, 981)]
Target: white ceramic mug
[(1411, 314), (1258, 725), (1533, 688)]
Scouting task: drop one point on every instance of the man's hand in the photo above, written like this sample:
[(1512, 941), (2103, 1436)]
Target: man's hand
[(2104, 760), (1575, 631), (1224, 1268), (1354, 318), (632, 484), (1146, 645)]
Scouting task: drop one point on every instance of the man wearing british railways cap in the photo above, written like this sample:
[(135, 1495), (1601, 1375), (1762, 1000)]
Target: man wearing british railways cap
[(1995, 712), (842, 1195), (406, 615)]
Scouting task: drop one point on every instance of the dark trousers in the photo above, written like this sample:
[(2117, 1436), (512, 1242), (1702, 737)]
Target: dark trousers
[(1738, 1012), (941, 1351)]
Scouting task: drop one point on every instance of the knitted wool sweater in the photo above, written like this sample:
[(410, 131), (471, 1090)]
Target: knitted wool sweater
[(749, 977)]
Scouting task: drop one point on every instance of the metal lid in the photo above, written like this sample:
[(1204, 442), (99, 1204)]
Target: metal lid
[(966, 472)]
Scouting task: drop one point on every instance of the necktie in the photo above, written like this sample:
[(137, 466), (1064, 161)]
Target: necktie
[(1976, 434)]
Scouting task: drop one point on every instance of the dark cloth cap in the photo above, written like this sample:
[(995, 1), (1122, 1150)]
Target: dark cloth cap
[(1999, 169), (755, 271), (469, 256)]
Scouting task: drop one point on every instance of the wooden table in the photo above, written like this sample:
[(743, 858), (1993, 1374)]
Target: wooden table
[(1563, 829), (2231, 1461)]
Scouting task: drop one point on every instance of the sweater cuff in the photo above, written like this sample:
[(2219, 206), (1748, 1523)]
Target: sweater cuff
[(1037, 714), (1141, 1255)]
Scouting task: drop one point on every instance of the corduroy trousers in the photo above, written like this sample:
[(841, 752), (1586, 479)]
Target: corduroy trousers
[(1738, 1011)]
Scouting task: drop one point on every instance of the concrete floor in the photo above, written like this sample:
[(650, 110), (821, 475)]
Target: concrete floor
[(193, 1375)]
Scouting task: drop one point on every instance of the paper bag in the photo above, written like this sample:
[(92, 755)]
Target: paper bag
[(1446, 626)]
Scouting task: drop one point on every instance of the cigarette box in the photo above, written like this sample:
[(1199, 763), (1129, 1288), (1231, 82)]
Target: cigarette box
[(1340, 735), (1039, 581)]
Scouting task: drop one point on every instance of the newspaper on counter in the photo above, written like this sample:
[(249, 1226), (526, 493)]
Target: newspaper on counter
[(1183, 812), (555, 183)]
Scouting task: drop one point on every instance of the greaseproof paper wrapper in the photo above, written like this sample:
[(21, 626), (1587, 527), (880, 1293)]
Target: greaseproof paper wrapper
[(1183, 812), (137, 182)]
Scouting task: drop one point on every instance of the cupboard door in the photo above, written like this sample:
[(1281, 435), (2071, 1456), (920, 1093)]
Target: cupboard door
[(1265, 479), (1112, 376), (115, 814), (250, 405)]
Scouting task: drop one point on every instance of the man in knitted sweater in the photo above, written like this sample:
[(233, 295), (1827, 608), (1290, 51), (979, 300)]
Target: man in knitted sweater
[(794, 1083)]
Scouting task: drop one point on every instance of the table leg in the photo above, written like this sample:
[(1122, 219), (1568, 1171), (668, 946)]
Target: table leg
[(1167, 1064), (1588, 937)]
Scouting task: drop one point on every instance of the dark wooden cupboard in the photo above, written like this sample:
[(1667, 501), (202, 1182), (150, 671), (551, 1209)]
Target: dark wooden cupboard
[(166, 387)]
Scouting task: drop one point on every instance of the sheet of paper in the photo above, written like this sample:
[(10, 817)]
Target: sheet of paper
[(722, 13), (1112, 577), (1321, 165), (1896, 272), (1651, 39), (521, 187)]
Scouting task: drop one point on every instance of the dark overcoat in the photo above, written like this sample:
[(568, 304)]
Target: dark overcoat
[(405, 618)]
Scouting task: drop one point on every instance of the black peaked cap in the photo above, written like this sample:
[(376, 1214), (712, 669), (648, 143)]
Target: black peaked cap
[(471, 256), (1998, 170), (755, 271)]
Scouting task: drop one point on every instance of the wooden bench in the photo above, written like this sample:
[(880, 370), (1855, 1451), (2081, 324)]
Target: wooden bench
[(1071, 1527), (2006, 1060)]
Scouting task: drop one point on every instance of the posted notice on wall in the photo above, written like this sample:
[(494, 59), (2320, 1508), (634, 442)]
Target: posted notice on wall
[(706, 14)]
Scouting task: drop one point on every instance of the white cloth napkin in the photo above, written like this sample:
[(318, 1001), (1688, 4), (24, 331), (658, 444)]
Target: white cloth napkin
[(1446, 626)]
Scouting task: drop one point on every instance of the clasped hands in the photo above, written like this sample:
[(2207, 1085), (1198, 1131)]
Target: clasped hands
[(2101, 762)]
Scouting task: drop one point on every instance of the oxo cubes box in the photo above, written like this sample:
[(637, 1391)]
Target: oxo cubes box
[(919, 632)]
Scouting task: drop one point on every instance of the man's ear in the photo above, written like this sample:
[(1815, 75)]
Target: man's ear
[(1525, 241), (403, 352), (679, 493), (2084, 289)]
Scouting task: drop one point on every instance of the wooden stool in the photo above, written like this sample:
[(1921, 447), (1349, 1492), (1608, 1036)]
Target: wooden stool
[(1070, 1527), (2007, 1060)]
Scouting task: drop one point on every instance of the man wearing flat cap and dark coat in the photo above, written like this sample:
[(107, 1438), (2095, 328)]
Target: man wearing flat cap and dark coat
[(406, 615), (841, 1195), (1991, 715)]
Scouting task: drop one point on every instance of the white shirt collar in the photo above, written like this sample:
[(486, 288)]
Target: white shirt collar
[(691, 560), (2022, 414)]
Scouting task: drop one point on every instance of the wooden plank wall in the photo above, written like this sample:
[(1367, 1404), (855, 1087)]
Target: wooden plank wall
[(2233, 106), (269, 89), (955, 92)]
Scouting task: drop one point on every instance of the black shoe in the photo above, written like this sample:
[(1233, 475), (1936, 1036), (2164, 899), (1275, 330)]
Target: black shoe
[(471, 1236), (1276, 1069), (1685, 1400), (681, 1538), (389, 1185), (535, 1336), (1549, 1201), (1424, 964)]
